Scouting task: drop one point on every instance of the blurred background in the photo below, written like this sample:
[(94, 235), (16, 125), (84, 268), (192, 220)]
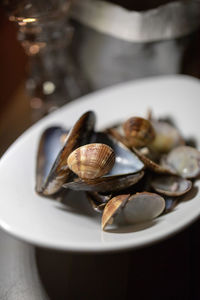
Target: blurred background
[(96, 57)]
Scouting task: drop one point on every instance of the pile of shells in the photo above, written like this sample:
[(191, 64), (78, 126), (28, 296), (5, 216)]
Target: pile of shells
[(133, 171)]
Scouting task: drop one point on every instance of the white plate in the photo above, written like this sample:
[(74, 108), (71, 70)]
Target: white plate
[(76, 227)]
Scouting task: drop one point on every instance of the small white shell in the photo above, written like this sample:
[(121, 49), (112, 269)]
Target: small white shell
[(171, 185), (142, 207), (185, 161)]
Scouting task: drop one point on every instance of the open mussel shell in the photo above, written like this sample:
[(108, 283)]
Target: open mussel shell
[(112, 207), (59, 173), (106, 184), (142, 207), (184, 160), (126, 162), (171, 185), (50, 144), (127, 169)]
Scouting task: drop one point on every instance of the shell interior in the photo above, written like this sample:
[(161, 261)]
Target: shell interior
[(171, 185), (50, 144), (185, 160), (126, 162), (142, 207)]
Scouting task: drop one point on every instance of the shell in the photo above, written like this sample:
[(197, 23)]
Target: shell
[(171, 185), (167, 137), (126, 162), (107, 184), (170, 203), (112, 207), (96, 206), (59, 172), (91, 161), (151, 165), (142, 207), (184, 160), (126, 171), (138, 131), (51, 142)]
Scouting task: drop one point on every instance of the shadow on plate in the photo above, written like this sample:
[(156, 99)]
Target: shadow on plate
[(75, 202), (125, 228), (190, 195)]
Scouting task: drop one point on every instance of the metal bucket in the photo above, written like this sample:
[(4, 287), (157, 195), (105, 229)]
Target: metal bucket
[(113, 44)]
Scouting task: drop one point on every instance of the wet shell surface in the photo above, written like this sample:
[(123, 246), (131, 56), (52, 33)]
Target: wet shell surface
[(185, 161), (105, 184), (91, 161), (142, 207), (171, 185), (112, 208), (167, 137), (138, 131), (51, 142)]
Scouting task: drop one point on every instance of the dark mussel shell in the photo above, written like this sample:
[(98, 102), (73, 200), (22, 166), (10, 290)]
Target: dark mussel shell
[(105, 184), (79, 135), (51, 142)]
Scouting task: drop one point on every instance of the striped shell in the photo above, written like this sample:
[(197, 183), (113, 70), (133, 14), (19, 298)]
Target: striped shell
[(91, 161), (138, 131)]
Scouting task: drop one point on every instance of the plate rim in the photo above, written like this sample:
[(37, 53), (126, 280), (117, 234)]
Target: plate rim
[(125, 245)]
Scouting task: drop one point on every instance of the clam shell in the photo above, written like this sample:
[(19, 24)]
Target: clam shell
[(171, 185), (112, 207), (138, 131), (142, 207), (167, 137), (91, 161), (59, 173), (185, 161), (126, 171)]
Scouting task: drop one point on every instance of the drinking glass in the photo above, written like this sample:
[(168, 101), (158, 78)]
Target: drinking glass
[(45, 34)]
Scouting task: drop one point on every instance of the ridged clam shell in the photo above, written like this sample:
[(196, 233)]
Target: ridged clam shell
[(91, 161), (138, 131), (112, 207)]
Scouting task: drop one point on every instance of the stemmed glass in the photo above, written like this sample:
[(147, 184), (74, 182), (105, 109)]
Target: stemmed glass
[(45, 34)]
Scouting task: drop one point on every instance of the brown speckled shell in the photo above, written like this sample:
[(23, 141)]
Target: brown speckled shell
[(92, 160), (112, 207), (138, 131)]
